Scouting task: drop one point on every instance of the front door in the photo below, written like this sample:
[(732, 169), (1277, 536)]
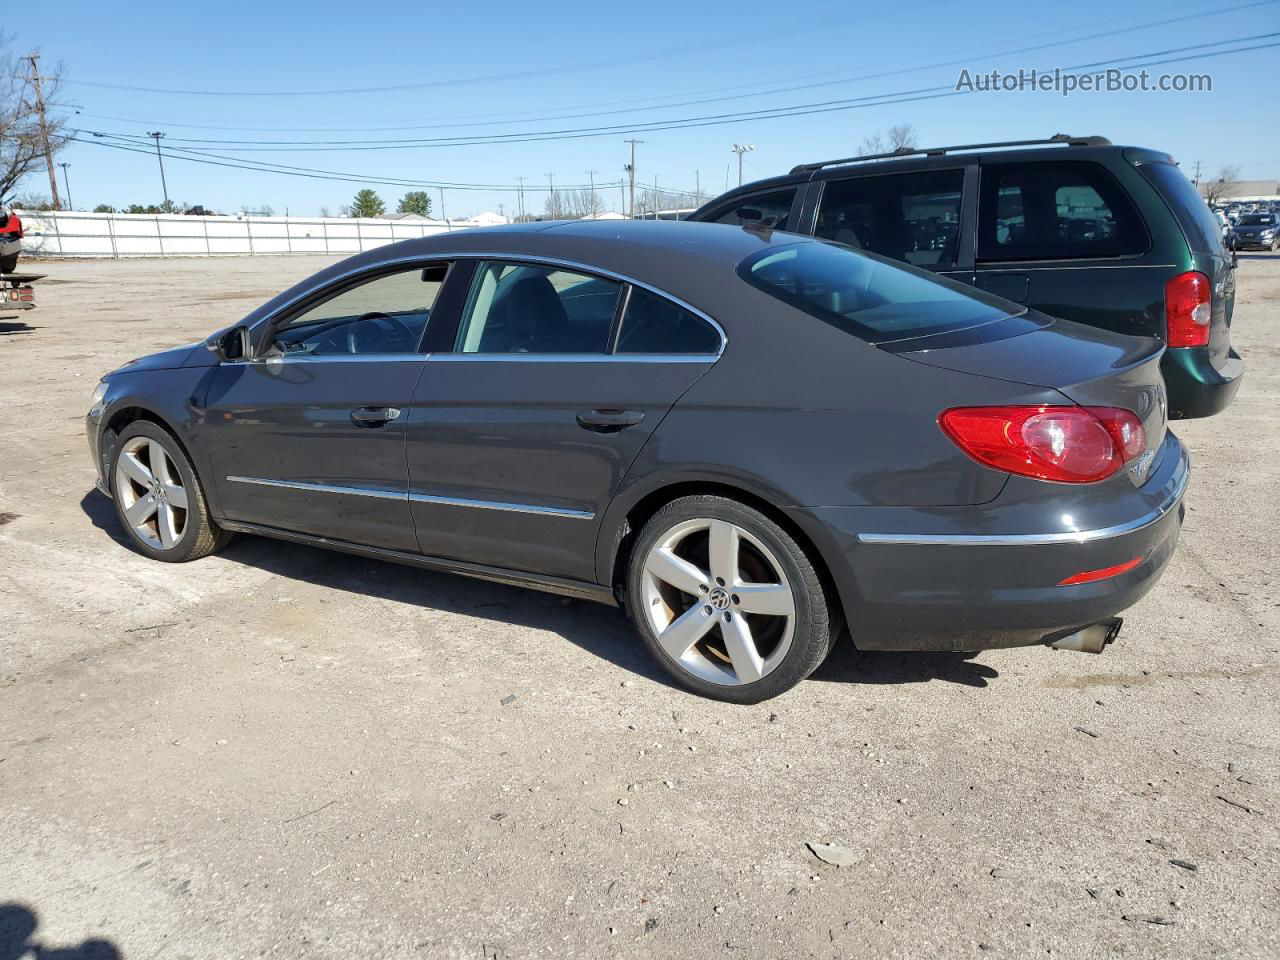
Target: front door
[(310, 435), (519, 437)]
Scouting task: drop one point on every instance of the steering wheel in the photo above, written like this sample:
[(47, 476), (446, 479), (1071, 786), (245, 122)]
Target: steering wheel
[(377, 317)]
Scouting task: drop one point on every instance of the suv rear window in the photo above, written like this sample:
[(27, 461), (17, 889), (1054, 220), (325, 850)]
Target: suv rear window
[(912, 217), (872, 297), (1055, 211), (1199, 225)]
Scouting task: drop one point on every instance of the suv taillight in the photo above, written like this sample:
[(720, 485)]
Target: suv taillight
[(1063, 444), (1188, 308)]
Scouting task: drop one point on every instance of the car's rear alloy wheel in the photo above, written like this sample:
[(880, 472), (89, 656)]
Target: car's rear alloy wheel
[(726, 600), (158, 496)]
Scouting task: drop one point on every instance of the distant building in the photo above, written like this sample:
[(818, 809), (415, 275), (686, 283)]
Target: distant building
[(1247, 190), (486, 219)]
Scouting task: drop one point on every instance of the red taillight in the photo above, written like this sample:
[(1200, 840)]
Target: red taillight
[(1063, 444), (1091, 576), (1188, 308)]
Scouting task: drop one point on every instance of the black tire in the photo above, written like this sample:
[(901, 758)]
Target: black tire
[(200, 535), (816, 623), (9, 264)]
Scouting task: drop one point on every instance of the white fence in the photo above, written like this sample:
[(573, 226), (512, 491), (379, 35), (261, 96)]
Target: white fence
[(72, 234)]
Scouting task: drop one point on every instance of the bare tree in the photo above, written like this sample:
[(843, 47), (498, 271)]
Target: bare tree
[(21, 143), (1216, 190), (901, 136), (647, 201)]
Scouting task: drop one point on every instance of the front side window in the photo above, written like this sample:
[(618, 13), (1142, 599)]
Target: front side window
[(520, 308), (756, 209), (1055, 211), (653, 324), (384, 315), (870, 296), (912, 217)]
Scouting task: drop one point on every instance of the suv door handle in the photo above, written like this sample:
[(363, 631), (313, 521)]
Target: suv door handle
[(608, 420), (373, 416)]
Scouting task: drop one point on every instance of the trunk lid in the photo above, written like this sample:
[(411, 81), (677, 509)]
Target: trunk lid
[(1088, 366)]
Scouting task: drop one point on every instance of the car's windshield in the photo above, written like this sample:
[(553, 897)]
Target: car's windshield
[(872, 297), (1257, 220)]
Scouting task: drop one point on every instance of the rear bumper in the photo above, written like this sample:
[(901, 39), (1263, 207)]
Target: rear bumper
[(926, 584), (1196, 387)]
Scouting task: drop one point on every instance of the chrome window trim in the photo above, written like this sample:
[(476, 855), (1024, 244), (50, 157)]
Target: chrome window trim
[(436, 257), (310, 487), (1034, 539)]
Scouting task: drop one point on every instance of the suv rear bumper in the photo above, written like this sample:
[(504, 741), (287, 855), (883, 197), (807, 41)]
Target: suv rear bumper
[(1196, 387), (918, 589)]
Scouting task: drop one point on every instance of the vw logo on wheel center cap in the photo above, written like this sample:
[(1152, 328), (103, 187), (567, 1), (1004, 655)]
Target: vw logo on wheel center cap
[(720, 598)]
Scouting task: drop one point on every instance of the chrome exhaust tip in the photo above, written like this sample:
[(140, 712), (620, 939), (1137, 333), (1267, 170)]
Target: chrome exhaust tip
[(1091, 639)]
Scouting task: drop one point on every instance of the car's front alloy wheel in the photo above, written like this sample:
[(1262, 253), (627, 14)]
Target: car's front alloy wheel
[(727, 600), (158, 496)]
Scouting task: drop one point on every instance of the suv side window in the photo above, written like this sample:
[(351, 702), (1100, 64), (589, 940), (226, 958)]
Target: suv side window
[(912, 217), (521, 308), (1055, 211), (653, 324), (746, 210), (384, 315)]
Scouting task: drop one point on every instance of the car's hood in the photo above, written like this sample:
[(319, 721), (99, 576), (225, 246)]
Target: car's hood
[(164, 360)]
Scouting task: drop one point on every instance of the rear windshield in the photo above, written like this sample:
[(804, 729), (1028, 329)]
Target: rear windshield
[(1256, 220), (1199, 225), (869, 296)]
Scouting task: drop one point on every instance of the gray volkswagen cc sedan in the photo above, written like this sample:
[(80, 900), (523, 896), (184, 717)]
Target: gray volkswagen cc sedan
[(747, 439)]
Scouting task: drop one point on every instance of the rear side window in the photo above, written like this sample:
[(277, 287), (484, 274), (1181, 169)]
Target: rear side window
[(870, 296), (746, 210), (1055, 211), (1201, 228), (912, 217), (519, 308), (653, 324)]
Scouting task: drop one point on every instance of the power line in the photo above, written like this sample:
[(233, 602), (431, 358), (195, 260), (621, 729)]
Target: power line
[(929, 65), (804, 109)]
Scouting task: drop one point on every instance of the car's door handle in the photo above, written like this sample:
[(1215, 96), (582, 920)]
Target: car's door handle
[(608, 421), (373, 416)]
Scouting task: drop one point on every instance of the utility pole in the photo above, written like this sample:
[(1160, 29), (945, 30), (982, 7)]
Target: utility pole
[(631, 169), (1196, 178), (163, 186), (442, 216), (592, 175), (520, 195), (64, 165), (740, 149), (551, 197), (697, 187), (33, 58)]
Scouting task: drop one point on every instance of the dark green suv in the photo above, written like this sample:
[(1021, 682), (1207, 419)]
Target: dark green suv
[(1076, 227)]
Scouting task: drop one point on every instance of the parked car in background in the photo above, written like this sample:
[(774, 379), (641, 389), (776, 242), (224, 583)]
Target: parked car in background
[(1110, 236), (10, 240), (1255, 231), (600, 409)]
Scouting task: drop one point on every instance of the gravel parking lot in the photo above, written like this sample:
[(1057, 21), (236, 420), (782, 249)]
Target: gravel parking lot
[(283, 752)]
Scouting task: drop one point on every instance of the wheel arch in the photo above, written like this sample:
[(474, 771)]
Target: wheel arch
[(130, 411), (625, 520)]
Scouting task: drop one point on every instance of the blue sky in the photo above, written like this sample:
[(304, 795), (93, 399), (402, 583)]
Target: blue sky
[(491, 68)]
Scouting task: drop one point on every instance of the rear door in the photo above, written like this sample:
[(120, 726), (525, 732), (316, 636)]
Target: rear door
[(916, 217), (310, 436), (1064, 237), (520, 434)]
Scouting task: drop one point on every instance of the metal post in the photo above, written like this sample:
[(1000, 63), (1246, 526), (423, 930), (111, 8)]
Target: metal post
[(288, 236), (631, 169), (248, 232), (208, 251), (163, 185), (111, 233), (67, 181), (324, 225), (159, 235), (359, 236)]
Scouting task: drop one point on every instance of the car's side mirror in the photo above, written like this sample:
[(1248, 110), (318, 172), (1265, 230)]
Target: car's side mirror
[(229, 344)]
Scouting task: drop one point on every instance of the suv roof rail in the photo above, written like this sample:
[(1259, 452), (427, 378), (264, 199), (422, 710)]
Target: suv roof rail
[(1057, 138)]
